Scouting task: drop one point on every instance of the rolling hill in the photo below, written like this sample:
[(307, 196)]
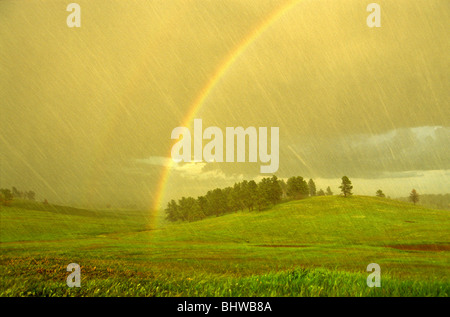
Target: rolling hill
[(319, 246)]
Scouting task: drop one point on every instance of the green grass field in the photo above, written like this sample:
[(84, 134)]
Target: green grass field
[(314, 247)]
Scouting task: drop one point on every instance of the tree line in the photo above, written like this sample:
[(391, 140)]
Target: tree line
[(413, 196), (249, 195), (245, 195), (7, 195)]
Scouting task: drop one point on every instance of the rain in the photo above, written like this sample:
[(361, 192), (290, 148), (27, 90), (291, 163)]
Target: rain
[(84, 108)]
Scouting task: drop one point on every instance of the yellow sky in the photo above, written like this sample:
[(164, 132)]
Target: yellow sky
[(87, 113)]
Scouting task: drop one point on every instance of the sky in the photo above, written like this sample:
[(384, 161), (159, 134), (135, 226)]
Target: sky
[(87, 113)]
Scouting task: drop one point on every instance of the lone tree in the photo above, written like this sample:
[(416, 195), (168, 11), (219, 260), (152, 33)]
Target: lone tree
[(346, 186), (312, 188), (414, 196), (380, 193), (329, 192)]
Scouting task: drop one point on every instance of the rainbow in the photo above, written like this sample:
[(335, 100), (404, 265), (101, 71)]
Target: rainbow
[(220, 71)]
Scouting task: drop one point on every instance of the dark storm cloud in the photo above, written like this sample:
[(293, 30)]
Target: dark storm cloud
[(369, 156)]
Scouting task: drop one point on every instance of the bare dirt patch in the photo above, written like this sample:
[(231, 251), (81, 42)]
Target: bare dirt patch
[(281, 245)]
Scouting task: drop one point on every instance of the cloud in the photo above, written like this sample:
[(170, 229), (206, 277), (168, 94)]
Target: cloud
[(391, 154), (156, 160), (192, 170)]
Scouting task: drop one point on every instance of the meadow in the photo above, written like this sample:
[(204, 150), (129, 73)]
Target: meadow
[(319, 246)]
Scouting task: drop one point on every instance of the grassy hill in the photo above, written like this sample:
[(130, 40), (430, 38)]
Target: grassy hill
[(439, 201), (314, 247)]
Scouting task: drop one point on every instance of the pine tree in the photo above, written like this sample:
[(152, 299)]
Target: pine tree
[(264, 193), (312, 188), (251, 194), (297, 188), (172, 211), (414, 196), (283, 186), (346, 186), (275, 190), (236, 197)]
